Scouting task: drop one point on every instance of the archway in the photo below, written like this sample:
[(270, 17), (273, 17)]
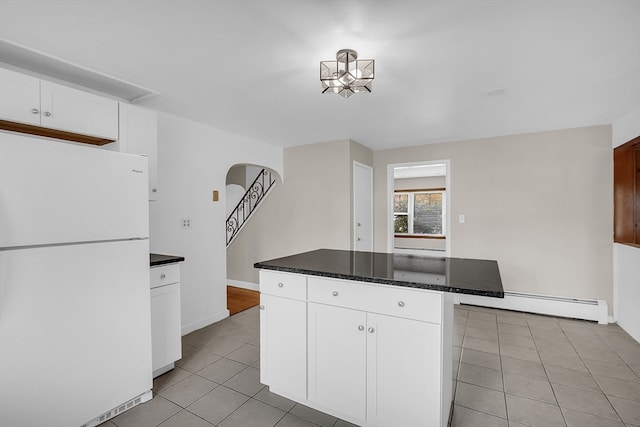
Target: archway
[(247, 188)]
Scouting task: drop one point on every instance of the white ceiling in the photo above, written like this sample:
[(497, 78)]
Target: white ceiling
[(445, 70)]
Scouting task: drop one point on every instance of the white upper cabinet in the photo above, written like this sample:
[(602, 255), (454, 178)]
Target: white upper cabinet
[(19, 97), (73, 110), (139, 135), (27, 100)]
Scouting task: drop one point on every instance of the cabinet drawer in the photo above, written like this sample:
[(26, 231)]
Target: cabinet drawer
[(165, 275), (286, 285), (401, 302)]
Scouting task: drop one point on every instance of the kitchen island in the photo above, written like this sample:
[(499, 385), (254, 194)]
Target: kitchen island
[(366, 336)]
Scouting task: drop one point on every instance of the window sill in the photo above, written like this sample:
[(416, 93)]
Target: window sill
[(633, 245), (418, 236)]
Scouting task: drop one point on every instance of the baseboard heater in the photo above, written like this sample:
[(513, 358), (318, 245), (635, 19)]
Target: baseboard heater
[(575, 308), (144, 397)]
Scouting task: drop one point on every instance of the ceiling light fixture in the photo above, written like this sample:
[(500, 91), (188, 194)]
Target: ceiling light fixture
[(346, 75)]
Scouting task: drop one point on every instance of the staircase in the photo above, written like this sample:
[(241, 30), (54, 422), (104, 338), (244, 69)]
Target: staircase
[(248, 204)]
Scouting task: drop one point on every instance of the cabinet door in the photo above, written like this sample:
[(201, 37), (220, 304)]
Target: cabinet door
[(139, 135), (19, 97), (403, 378), (337, 359), (72, 110), (165, 326), (283, 345)]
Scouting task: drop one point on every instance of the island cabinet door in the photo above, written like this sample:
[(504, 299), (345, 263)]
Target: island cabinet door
[(283, 345), (337, 359), (403, 372)]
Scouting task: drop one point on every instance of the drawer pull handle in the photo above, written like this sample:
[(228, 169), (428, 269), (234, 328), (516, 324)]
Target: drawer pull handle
[(334, 293), (361, 328), (35, 111), (280, 285), (371, 330), (262, 307), (162, 276), (400, 303)]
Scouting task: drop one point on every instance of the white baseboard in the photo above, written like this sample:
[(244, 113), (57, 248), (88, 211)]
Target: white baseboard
[(576, 308), (243, 285), (193, 326)]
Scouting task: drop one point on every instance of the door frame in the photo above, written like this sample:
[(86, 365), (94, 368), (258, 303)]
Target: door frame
[(357, 164), (389, 199)]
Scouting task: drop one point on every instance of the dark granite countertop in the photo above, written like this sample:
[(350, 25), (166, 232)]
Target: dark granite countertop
[(159, 259), (458, 275)]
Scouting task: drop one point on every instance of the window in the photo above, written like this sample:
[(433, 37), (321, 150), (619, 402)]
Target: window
[(420, 213)]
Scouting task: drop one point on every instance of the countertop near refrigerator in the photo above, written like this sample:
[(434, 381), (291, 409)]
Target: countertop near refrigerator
[(159, 259)]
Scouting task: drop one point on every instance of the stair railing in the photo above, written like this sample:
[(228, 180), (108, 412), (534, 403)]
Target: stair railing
[(249, 202)]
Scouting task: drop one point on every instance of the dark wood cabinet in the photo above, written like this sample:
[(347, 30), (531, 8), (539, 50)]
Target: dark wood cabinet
[(626, 192)]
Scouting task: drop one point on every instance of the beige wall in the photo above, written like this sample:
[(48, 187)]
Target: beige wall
[(311, 209), (237, 175), (540, 204)]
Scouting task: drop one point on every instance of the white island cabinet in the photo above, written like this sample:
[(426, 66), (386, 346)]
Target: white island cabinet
[(283, 332), (374, 355)]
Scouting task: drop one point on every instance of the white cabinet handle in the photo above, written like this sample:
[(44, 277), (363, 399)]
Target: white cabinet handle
[(371, 330), (35, 111), (334, 293), (280, 285), (361, 328), (47, 113), (155, 190), (162, 276), (262, 307), (400, 303)]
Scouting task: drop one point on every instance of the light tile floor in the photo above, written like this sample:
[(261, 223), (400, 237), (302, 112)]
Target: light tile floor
[(510, 369)]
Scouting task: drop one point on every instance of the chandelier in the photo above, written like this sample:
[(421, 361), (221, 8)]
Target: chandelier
[(346, 75)]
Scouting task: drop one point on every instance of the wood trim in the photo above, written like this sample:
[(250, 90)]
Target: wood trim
[(52, 133), (420, 190), (418, 236)]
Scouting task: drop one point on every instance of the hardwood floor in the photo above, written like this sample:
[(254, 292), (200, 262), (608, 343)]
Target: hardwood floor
[(239, 299)]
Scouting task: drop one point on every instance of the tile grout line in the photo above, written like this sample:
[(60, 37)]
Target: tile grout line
[(594, 379), (544, 368)]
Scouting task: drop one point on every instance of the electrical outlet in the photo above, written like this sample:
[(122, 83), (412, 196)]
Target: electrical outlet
[(185, 223)]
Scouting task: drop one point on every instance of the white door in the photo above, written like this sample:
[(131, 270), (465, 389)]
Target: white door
[(165, 326), (403, 354), (337, 359), (362, 207), (19, 97), (76, 111), (283, 345)]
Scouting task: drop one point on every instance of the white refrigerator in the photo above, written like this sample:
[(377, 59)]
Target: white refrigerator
[(75, 334)]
